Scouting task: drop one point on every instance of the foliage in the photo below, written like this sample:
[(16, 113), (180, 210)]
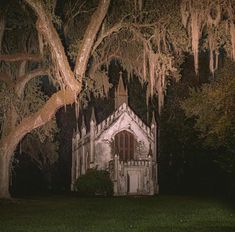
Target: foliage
[(94, 182), (179, 144), (212, 107), (182, 150), (209, 24), (145, 41)]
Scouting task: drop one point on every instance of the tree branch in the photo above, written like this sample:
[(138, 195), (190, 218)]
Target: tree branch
[(103, 59), (89, 38), (22, 81), (112, 30), (44, 115), (47, 29), (117, 28), (19, 57)]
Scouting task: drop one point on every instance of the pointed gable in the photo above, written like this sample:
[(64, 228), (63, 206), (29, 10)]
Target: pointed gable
[(123, 117)]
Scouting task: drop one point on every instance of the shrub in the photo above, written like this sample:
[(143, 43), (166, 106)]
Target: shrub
[(94, 183)]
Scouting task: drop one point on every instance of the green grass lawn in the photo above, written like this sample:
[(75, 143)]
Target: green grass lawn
[(147, 214)]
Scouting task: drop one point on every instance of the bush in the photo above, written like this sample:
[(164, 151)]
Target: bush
[(94, 183)]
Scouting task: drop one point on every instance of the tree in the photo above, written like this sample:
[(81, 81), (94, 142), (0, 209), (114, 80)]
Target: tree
[(179, 142), (212, 108), (21, 93), (69, 81)]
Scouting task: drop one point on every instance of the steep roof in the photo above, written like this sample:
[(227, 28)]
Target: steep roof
[(105, 124)]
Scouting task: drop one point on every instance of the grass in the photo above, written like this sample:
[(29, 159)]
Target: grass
[(140, 214)]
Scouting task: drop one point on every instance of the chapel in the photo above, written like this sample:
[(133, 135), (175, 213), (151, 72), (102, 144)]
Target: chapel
[(123, 145)]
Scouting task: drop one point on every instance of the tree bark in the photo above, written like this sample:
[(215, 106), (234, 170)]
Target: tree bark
[(2, 29), (4, 174), (23, 80), (91, 34)]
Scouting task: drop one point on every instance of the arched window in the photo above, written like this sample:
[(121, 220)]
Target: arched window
[(124, 145)]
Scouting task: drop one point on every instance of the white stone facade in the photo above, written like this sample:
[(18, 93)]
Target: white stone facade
[(123, 145), (136, 176)]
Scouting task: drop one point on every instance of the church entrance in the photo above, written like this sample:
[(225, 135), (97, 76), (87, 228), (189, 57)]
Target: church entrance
[(133, 182)]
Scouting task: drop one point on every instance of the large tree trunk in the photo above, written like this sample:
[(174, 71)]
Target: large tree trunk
[(6, 153), (4, 174), (9, 143)]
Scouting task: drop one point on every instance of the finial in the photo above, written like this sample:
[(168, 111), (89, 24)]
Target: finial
[(78, 136), (77, 130), (93, 118), (150, 154), (121, 88), (83, 122), (153, 119), (83, 127)]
